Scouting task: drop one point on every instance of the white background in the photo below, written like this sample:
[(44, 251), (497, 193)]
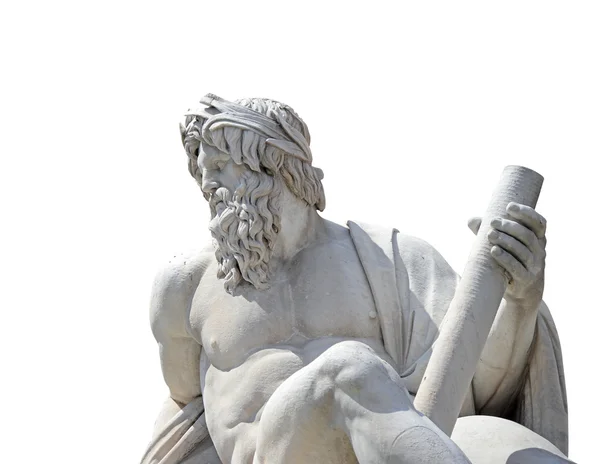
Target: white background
[(414, 110)]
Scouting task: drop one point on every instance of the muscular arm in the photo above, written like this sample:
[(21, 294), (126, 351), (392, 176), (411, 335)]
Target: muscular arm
[(518, 245), (172, 295), (502, 364)]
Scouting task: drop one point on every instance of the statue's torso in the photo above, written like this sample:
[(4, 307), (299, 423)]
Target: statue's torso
[(252, 342)]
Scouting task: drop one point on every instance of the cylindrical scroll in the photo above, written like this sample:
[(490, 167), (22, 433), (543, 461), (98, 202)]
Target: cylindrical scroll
[(469, 319)]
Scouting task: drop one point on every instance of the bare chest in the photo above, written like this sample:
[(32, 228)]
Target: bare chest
[(319, 295)]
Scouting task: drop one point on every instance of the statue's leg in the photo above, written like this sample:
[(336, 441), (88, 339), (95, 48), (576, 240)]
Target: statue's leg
[(349, 389)]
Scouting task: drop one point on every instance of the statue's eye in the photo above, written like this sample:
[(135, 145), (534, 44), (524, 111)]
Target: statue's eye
[(220, 165)]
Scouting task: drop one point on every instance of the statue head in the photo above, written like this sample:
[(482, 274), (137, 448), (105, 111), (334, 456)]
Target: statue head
[(243, 155)]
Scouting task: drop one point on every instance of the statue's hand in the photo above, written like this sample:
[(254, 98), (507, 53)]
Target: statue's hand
[(519, 246)]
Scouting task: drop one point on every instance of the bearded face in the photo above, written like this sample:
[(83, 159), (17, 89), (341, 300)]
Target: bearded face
[(244, 226)]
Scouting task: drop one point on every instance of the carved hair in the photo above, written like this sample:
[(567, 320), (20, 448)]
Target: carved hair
[(251, 148)]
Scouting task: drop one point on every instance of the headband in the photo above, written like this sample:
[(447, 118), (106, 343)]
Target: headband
[(277, 132)]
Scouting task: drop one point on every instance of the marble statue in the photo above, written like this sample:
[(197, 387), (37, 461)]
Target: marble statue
[(292, 339)]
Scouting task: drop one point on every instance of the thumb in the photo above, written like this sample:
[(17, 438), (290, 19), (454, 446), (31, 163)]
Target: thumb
[(474, 223)]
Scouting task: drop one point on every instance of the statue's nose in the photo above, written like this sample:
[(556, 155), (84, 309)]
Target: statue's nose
[(209, 182)]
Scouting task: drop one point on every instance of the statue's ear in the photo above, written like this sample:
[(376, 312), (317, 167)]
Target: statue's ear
[(320, 173)]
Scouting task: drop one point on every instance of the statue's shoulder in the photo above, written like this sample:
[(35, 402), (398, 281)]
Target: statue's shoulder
[(180, 267), (415, 247), (414, 252), (426, 265), (173, 290), (407, 245)]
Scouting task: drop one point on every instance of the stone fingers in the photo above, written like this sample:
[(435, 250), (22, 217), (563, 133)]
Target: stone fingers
[(522, 253), (529, 217), (528, 238), (474, 224), (512, 265)]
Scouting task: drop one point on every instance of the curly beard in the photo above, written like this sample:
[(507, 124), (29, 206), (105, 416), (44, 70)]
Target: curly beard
[(244, 226)]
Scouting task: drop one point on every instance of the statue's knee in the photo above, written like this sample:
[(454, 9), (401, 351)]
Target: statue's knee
[(353, 364), (307, 388)]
